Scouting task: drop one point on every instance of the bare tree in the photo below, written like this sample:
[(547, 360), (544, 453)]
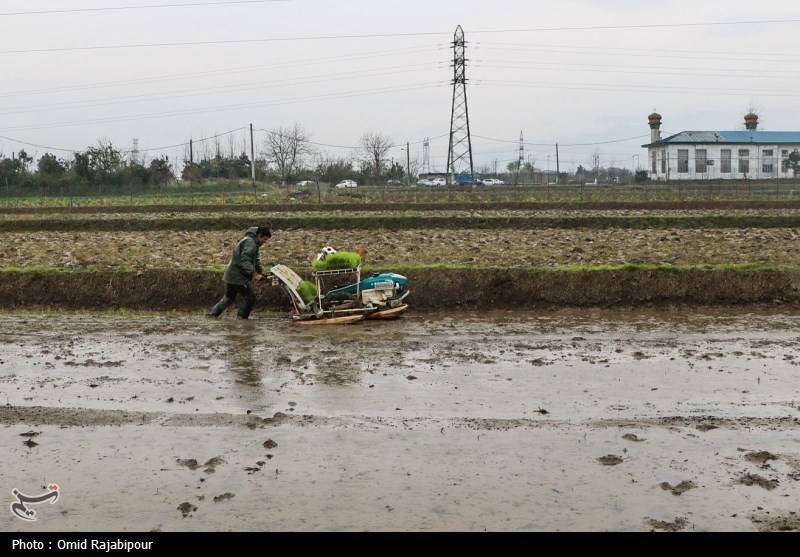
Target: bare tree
[(415, 165), (372, 154), (232, 153), (287, 148), (596, 162), (217, 147)]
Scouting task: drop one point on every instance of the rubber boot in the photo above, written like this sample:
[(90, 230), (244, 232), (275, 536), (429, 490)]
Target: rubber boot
[(220, 306), (247, 307)]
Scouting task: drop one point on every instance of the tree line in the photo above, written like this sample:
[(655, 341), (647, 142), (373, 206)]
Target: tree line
[(285, 155)]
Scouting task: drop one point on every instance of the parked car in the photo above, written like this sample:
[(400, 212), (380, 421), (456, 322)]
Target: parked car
[(346, 184), (424, 182), (438, 182), (466, 180), (394, 182), (493, 182), (305, 184)]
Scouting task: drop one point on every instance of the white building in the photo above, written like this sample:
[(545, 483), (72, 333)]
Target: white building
[(712, 155)]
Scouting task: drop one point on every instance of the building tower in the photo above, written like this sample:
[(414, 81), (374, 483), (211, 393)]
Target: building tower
[(750, 121), (426, 156), (459, 153), (654, 120)]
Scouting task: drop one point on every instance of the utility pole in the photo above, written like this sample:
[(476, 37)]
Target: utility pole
[(252, 157), (521, 157), (408, 165), (191, 153), (558, 169)]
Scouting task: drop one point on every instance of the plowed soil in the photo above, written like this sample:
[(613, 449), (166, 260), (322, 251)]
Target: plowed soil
[(484, 269)]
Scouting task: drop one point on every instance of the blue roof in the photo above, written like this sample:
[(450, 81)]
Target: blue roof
[(739, 136)]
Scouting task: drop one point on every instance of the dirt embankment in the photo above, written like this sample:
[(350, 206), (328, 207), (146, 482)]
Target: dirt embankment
[(431, 289)]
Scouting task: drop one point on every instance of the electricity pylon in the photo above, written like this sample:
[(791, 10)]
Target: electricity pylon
[(459, 153)]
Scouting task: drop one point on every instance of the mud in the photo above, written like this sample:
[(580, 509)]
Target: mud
[(550, 420)]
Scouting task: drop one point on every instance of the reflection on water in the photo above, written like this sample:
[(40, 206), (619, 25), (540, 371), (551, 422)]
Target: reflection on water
[(240, 352)]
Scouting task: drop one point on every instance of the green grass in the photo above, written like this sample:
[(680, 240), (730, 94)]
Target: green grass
[(338, 260), (627, 267), (640, 267), (41, 269), (307, 291)]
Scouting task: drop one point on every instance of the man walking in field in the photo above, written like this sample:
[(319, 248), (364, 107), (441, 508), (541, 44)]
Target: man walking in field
[(244, 267)]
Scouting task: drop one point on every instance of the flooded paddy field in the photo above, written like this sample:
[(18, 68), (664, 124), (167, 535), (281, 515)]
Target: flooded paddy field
[(553, 420)]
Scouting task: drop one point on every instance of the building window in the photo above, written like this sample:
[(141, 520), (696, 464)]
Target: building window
[(663, 162), (744, 161), (725, 161), (767, 163), (785, 153), (683, 161), (700, 161)]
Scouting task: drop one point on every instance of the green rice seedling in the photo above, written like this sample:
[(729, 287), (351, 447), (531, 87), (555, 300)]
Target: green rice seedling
[(338, 260), (307, 291)]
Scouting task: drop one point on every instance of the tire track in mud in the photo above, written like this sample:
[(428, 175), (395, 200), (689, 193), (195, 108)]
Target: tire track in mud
[(85, 417)]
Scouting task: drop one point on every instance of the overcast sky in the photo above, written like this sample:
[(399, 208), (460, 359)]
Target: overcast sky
[(581, 74)]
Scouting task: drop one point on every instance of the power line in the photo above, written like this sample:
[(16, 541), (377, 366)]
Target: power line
[(400, 35), (240, 69), (291, 100), (642, 52), (563, 144), (641, 89), (350, 146), (645, 26), (195, 92), (195, 140), (201, 140), (650, 69), (35, 145), (673, 53), (198, 43), (117, 8)]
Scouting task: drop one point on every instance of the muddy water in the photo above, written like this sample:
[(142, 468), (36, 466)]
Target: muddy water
[(590, 420)]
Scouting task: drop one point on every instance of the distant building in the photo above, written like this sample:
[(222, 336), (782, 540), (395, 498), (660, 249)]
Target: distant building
[(711, 155)]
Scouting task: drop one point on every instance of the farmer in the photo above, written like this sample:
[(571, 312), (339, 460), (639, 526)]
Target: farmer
[(244, 266)]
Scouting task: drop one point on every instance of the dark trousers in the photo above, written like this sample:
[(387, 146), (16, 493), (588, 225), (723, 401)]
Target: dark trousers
[(243, 290)]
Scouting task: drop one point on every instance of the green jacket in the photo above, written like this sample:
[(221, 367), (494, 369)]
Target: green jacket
[(245, 259)]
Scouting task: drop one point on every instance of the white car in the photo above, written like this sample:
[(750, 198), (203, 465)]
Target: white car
[(305, 184), (424, 182), (438, 182), (493, 182), (346, 184)]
